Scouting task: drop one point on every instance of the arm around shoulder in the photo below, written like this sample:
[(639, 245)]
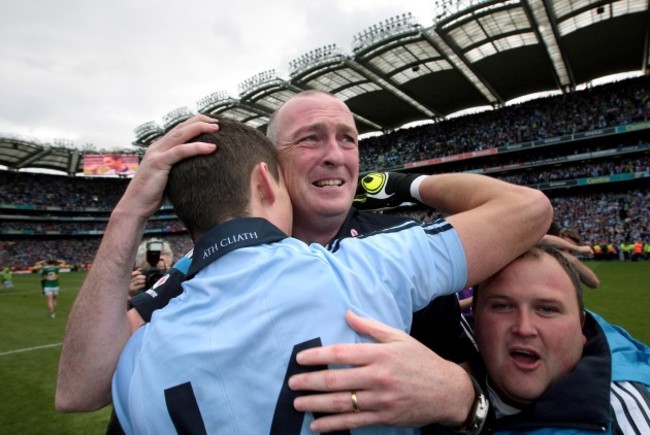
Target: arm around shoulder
[(496, 221), (97, 327)]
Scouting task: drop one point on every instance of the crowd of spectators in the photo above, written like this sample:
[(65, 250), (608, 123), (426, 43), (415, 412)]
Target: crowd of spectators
[(82, 227), (61, 191), (597, 217), (592, 109), (76, 251), (606, 218), (603, 106), (554, 155), (579, 170)]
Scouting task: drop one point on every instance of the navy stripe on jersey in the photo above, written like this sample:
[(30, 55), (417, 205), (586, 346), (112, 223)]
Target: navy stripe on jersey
[(184, 410), (286, 419), (631, 405), (431, 228)]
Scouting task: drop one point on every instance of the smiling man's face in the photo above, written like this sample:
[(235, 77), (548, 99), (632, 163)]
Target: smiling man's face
[(317, 142), (528, 328)]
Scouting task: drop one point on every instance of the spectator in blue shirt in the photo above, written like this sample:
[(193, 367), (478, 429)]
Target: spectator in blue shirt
[(553, 367)]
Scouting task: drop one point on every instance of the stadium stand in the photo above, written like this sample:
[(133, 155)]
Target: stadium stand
[(590, 175), (598, 108), (588, 150), (54, 216)]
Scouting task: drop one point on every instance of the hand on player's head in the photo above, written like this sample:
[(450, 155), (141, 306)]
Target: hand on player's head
[(144, 195)]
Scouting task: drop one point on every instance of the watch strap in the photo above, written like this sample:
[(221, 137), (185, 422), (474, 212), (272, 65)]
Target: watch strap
[(477, 414)]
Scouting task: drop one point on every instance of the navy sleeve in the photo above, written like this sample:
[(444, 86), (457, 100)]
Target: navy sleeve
[(157, 297)]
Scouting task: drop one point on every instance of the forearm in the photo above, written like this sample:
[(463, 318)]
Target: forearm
[(97, 328), (566, 245), (496, 221)]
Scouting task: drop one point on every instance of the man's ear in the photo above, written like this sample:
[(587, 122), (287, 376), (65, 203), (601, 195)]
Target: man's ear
[(266, 184)]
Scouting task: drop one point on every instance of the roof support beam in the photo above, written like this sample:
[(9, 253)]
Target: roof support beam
[(545, 27), (646, 45), (388, 86), (23, 163), (456, 58), (73, 162)]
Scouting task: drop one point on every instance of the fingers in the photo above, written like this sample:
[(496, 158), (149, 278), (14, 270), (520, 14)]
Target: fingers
[(184, 151), (356, 354), (344, 421), (380, 332), (173, 146), (185, 131), (353, 354), (339, 402), (136, 283), (586, 250), (170, 149), (373, 409), (341, 407), (330, 403), (355, 378), (395, 382)]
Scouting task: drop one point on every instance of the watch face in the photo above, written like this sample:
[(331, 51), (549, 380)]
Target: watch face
[(482, 408)]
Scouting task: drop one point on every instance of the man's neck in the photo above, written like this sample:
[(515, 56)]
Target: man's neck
[(500, 407), (322, 232)]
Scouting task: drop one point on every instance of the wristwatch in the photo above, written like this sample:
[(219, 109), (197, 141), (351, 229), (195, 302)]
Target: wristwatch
[(478, 414)]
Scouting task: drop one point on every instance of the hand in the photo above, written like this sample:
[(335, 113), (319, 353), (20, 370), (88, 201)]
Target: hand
[(585, 250), (384, 189), (137, 282), (398, 382), (144, 194)]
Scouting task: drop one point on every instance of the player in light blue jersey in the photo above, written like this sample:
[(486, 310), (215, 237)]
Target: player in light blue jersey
[(217, 358)]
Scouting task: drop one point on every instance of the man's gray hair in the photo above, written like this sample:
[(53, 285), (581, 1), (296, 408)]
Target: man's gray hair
[(141, 255)]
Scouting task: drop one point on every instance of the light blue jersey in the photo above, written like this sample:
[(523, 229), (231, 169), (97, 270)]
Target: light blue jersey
[(217, 358)]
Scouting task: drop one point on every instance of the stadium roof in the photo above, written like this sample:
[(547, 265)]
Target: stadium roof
[(476, 53)]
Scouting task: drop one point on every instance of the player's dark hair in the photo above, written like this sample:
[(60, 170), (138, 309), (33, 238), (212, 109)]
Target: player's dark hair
[(208, 189)]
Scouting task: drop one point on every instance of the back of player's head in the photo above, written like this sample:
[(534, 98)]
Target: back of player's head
[(208, 189)]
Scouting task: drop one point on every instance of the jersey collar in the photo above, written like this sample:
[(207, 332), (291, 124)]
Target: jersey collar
[(231, 235)]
